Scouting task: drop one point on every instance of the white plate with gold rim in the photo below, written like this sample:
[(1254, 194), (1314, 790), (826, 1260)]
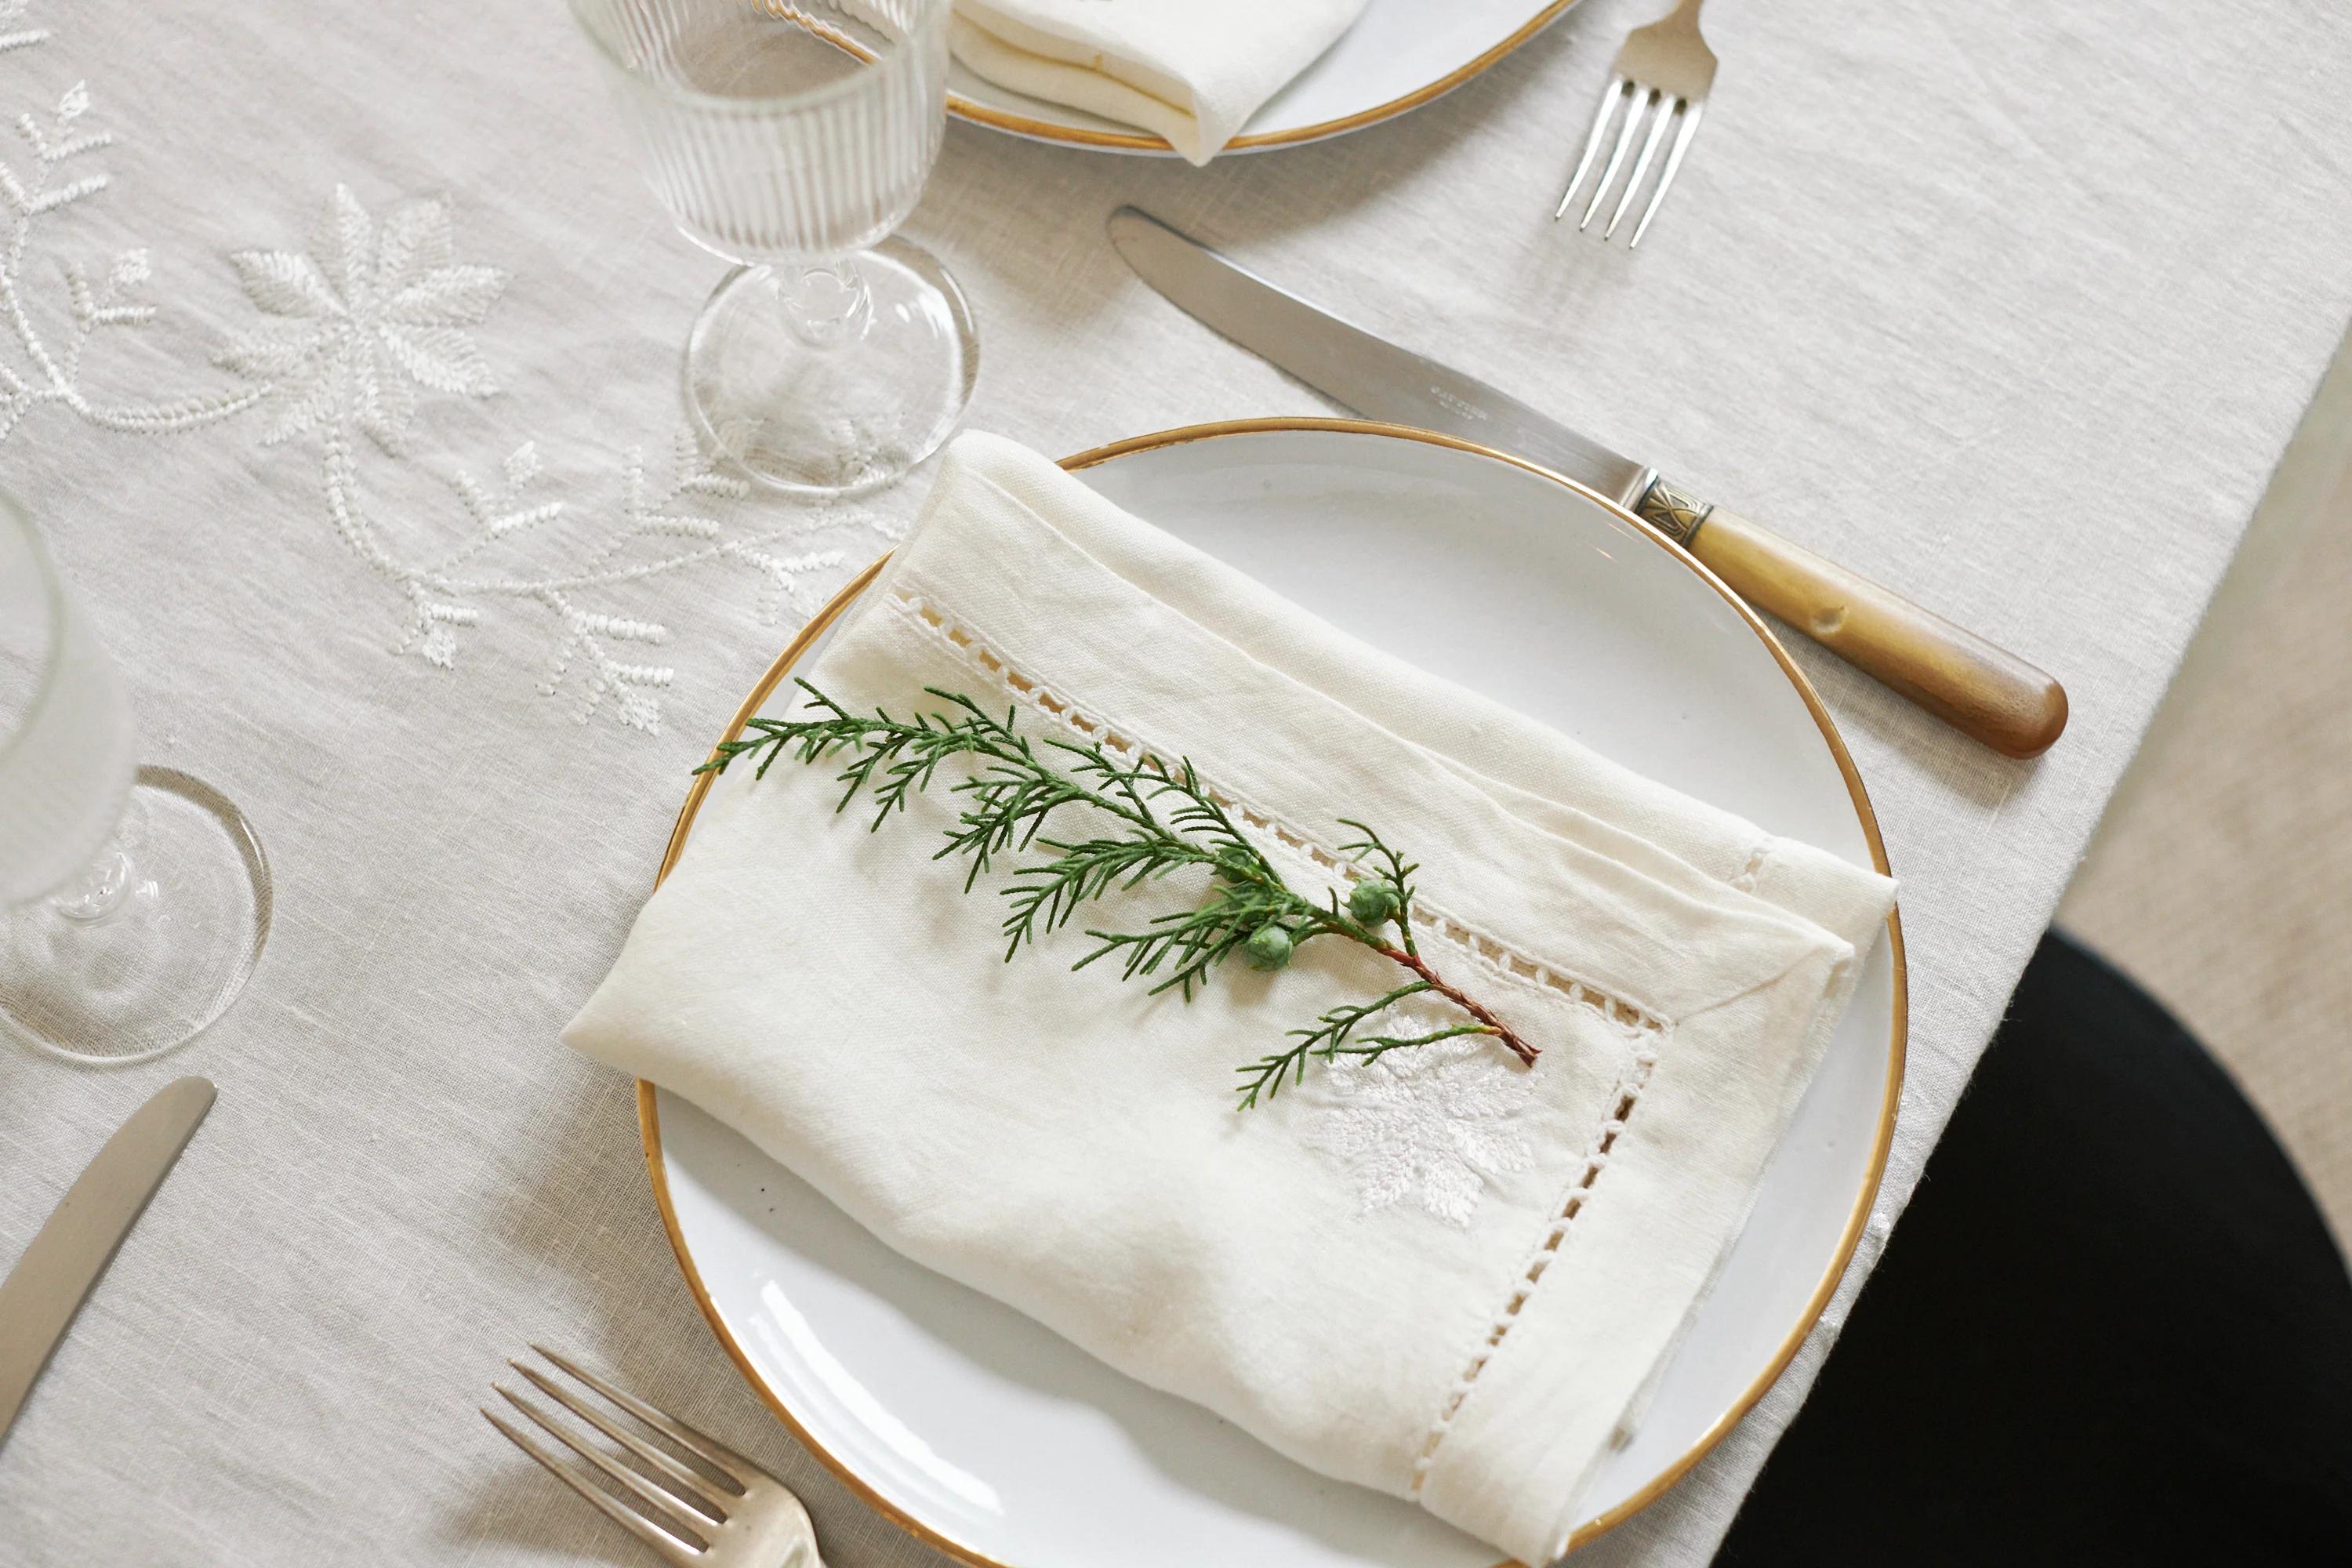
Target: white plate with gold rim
[(993, 1438), (1399, 55)]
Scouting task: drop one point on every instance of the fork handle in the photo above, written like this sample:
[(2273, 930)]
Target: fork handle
[(1984, 691)]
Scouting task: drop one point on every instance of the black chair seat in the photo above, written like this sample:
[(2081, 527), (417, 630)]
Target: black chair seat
[(2112, 1326)]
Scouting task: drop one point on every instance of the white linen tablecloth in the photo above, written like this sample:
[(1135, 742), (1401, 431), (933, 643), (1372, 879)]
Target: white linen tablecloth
[(2011, 306)]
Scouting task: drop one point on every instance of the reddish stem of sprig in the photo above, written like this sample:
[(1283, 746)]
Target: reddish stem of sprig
[(1478, 1010)]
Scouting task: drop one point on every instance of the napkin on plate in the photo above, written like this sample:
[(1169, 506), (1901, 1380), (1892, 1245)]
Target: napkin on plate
[(1440, 1274), (1193, 71)]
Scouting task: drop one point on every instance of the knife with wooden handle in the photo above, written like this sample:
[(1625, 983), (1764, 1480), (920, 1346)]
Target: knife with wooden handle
[(1982, 690)]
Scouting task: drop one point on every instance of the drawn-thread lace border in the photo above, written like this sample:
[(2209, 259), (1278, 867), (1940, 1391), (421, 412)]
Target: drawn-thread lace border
[(1648, 1033), (957, 635)]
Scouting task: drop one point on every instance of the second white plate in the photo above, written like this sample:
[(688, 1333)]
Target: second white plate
[(992, 1437), (1399, 55)]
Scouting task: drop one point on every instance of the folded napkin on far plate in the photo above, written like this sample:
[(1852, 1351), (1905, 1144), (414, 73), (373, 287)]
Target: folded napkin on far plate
[(1439, 1273), (1193, 71)]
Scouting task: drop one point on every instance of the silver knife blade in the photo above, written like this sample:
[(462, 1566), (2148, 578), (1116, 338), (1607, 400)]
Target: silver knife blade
[(1356, 369), (42, 1293)]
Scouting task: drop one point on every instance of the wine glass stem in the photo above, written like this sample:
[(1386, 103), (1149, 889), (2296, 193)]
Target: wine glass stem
[(97, 890), (827, 304)]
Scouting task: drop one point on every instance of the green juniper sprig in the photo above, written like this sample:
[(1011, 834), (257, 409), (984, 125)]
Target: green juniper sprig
[(1163, 820)]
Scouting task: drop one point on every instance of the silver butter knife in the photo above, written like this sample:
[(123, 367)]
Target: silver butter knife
[(42, 1293), (1981, 690)]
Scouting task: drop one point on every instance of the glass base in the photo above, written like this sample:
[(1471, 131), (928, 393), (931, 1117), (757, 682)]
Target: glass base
[(775, 399), (154, 942)]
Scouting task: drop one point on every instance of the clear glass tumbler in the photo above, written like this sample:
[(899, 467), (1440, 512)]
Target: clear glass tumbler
[(133, 900), (791, 137)]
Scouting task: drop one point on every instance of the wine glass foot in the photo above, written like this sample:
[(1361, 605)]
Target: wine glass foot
[(149, 967), (825, 420)]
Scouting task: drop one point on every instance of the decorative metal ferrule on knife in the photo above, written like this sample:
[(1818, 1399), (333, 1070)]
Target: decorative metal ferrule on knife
[(1671, 511)]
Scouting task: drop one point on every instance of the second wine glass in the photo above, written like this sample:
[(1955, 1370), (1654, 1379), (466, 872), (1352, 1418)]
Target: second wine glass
[(793, 137), (133, 900)]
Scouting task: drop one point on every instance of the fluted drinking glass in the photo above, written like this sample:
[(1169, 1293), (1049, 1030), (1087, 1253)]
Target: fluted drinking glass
[(791, 137)]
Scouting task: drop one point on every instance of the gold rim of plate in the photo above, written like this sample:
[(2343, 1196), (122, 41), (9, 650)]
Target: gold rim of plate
[(649, 1110), (963, 108)]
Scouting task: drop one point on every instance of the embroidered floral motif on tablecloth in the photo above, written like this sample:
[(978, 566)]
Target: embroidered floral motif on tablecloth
[(354, 330)]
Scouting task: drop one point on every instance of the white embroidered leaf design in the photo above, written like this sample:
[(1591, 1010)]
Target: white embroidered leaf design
[(285, 283), (384, 399), (522, 464), (269, 350), (373, 312), (588, 660), (346, 333), (38, 369), (50, 200), (694, 477), (1426, 1127), (383, 311), (344, 241), (442, 358), (418, 236), (448, 297), (130, 269), (11, 13), (307, 397)]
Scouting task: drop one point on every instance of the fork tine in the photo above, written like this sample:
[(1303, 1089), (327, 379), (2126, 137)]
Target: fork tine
[(619, 1474), (1666, 107), (1691, 111), (708, 1449), (685, 1477), (1618, 88), (673, 1548), (1642, 97)]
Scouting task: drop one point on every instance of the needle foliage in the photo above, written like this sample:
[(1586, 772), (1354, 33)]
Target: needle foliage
[(1146, 820)]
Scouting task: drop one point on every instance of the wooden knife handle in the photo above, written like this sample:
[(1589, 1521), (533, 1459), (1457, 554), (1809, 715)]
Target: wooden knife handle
[(1984, 691)]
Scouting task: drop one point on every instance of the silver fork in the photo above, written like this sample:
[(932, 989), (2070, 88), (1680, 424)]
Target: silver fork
[(1664, 72), (737, 1516)]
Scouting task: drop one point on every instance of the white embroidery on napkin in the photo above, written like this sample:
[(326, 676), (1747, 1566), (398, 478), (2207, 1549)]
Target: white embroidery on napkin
[(1649, 1040), (1432, 1141), (1426, 1126), (48, 373), (372, 314), (1414, 1133)]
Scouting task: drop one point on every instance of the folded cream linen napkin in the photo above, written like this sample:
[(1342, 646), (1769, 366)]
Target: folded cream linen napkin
[(1193, 71), (1440, 1274)]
